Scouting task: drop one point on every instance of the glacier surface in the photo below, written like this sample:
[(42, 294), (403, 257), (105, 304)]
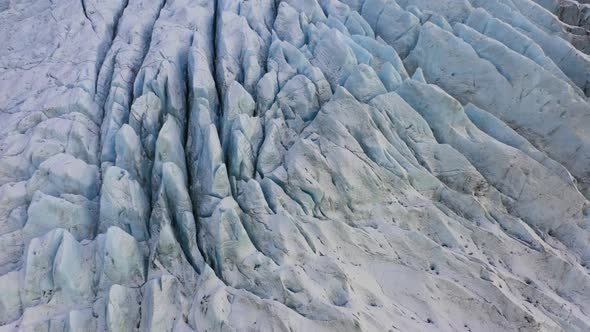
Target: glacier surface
[(294, 165)]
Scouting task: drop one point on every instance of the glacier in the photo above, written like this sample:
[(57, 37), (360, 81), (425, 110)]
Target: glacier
[(294, 165)]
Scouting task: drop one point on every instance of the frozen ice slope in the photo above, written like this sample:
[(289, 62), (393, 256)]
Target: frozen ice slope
[(294, 165)]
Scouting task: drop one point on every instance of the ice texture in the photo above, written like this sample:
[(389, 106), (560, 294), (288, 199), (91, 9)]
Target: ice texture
[(294, 165)]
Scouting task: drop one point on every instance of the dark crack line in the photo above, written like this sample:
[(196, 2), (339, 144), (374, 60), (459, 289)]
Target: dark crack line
[(106, 50)]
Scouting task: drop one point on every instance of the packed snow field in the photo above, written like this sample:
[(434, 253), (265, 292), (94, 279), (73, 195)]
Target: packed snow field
[(294, 165)]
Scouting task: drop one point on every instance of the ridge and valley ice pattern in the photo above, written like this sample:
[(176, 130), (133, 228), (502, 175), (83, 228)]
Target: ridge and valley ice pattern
[(294, 165)]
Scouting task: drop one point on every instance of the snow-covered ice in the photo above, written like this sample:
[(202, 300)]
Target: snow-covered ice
[(294, 165)]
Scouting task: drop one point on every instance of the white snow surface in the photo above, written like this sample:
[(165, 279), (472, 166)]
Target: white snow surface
[(294, 165)]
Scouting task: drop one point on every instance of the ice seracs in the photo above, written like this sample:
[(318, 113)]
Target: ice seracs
[(349, 165)]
